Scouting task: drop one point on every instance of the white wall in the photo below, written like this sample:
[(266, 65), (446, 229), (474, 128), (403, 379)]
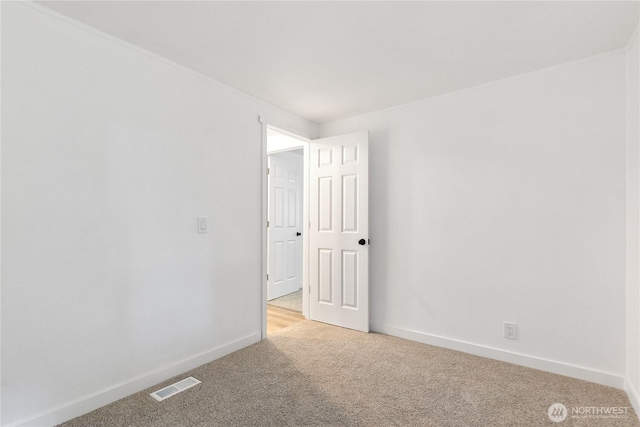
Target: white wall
[(505, 202), (633, 223), (109, 154), (278, 141)]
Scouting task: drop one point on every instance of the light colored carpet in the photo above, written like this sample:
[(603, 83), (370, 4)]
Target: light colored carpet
[(292, 301), (312, 374)]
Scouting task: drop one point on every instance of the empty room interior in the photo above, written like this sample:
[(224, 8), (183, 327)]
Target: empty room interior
[(437, 203)]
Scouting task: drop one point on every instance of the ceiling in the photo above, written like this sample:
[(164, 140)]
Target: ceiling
[(329, 60)]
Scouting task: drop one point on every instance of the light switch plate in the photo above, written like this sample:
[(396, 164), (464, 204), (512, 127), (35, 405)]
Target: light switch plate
[(202, 225)]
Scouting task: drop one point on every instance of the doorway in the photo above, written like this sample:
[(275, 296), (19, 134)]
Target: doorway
[(285, 239), (335, 227)]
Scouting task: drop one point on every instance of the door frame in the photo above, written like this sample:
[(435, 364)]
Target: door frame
[(267, 124)]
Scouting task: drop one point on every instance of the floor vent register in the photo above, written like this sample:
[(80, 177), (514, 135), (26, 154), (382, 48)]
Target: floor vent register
[(174, 388)]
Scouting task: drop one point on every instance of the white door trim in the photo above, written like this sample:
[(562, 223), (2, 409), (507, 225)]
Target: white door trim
[(266, 124)]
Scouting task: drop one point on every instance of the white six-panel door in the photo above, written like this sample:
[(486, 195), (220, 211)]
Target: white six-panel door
[(339, 231), (285, 225)]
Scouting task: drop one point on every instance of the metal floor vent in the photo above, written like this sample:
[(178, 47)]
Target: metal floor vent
[(174, 388)]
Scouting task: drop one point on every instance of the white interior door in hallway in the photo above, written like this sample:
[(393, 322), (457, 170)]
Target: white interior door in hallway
[(285, 224), (339, 233)]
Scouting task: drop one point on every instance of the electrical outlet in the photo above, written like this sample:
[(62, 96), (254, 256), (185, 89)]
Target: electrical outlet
[(510, 331)]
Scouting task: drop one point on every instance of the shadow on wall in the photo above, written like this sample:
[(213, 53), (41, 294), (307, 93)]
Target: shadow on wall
[(379, 283)]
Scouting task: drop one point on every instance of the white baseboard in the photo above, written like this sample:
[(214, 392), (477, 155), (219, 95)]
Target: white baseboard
[(104, 397), (555, 367), (633, 396)]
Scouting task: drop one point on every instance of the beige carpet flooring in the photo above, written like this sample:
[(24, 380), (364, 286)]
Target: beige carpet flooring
[(311, 374), (292, 301)]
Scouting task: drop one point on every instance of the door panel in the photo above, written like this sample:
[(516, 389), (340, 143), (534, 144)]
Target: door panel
[(285, 223), (350, 279), (349, 204), (325, 276), (339, 209)]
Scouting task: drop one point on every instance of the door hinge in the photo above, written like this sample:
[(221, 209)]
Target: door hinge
[(309, 289), (268, 171), (267, 224), (267, 277)]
